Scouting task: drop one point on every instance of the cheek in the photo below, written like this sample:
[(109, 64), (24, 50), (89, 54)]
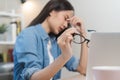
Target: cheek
[(58, 24), (55, 24)]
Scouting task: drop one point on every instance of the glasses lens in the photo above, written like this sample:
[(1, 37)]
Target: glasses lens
[(77, 39)]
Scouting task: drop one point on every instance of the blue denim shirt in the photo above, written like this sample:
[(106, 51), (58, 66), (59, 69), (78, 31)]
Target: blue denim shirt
[(31, 55)]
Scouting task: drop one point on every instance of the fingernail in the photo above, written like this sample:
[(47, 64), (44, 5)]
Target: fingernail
[(68, 19)]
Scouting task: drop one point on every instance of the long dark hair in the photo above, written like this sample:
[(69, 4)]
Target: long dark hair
[(57, 5)]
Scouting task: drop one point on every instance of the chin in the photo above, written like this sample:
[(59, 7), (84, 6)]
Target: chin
[(56, 32)]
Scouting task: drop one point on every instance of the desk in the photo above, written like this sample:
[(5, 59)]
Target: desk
[(77, 77)]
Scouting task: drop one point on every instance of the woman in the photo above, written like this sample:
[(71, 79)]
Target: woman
[(38, 55)]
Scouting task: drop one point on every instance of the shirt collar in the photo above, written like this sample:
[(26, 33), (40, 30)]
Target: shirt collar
[(44, 34)]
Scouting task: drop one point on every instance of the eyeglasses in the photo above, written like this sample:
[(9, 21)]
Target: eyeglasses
[(77, 39)]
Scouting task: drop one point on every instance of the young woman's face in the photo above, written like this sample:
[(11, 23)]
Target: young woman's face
[(58, 20)]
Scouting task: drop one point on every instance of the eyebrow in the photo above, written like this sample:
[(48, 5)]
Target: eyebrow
[(68, 17)]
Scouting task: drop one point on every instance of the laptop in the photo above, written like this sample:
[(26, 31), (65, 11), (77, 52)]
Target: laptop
[(104, 50)]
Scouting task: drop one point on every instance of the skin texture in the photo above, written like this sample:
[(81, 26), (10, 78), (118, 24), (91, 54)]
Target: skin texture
[(55, 23)]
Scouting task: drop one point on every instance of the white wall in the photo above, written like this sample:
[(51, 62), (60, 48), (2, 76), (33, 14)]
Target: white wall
[(8, 5), (101, 15)]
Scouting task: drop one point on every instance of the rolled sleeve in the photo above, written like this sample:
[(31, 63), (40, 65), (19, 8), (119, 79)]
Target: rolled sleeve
[(30, 64), (26, 73), (72, 64)]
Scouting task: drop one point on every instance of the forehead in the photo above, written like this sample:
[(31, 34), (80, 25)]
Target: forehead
[(68, 13)]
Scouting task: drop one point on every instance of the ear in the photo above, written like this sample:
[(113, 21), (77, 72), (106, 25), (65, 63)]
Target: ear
[(53, 13)]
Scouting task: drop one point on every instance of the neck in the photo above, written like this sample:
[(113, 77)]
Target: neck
[(46, 26)]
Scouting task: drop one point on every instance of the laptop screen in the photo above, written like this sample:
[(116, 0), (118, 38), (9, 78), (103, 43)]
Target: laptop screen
[(104, 51)]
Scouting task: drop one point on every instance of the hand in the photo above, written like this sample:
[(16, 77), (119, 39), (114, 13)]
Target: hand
[(64, 42), (78, 24)]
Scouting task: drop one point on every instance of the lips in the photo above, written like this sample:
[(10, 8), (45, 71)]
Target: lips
[(61, 28), (60, 31)]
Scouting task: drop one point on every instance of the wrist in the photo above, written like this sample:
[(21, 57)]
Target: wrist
[(66, 57)]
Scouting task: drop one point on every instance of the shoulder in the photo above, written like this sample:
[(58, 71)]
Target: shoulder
[(27, 35), (29, 31)]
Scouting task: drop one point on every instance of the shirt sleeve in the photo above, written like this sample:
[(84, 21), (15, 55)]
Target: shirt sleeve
[(72, 64), (27, 55)]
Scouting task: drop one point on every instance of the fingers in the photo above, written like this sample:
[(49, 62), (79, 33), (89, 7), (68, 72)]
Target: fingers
[(75, 21), (71, 31), (65, 41), (69, 38), (66, 37), (78, 24)]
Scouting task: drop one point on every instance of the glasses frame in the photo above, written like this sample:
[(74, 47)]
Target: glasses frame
[(85, 39)]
